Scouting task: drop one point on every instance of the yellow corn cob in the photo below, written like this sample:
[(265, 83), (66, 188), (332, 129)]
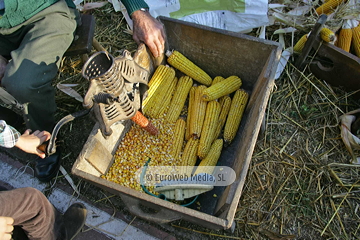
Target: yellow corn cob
[(167, 100), (327, 35), (208, 164), (180, 62), (227, 86), (328, 6), (178, 101), (161, 81), (225, 103), (300, 44), (155, 79), (236, 111), (197, 112), (217, 79), (344, 39), (189, 157), (209, 127), (356, 40), (178, 138), (189, 115)]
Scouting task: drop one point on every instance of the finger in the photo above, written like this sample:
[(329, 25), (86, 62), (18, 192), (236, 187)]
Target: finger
[(40, 153), (159, 47), (136, 39), (6, 236), (42, 139), (27, 132), (44, 136), (163, 40), (9, 228), (162, 46), (36, 133), (153, 49), (47, 134), (9, 220)]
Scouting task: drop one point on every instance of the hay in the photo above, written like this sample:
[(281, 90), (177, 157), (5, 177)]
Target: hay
[(300, 183)]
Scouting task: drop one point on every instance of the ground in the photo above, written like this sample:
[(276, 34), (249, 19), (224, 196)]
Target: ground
[(300, 184)]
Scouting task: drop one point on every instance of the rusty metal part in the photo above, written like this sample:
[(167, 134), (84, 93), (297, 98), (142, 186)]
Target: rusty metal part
[(51, 144), (332, 64), (116, 88)]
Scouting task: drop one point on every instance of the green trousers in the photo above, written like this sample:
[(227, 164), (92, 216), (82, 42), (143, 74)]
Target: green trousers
[(36, 48)]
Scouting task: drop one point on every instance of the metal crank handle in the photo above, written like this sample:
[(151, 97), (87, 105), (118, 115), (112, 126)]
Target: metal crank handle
[(51, 146)]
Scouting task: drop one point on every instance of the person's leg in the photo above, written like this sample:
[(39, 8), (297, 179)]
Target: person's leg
[(30, 210), (35, 62)]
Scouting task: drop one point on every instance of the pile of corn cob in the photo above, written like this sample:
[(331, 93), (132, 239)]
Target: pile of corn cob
[(346, 38), (195, 114)]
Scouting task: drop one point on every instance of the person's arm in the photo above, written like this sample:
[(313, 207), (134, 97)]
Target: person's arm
[(10, 137), (146, 28), (6, 227)]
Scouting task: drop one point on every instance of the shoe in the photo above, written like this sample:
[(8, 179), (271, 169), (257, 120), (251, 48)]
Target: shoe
[(47, 168), (74, 220), (10, 117)]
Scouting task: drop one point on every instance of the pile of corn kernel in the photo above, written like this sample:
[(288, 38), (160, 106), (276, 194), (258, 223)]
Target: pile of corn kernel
[(136, 148)]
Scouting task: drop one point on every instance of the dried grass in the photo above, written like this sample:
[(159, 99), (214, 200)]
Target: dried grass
[(300, 183)]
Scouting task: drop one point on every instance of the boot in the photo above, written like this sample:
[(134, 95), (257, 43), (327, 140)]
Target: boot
[(73, 221)]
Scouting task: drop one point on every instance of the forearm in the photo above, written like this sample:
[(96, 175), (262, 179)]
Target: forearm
[(8, 135)]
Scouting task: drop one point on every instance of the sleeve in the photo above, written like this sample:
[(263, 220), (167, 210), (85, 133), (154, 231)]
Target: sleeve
[(133, 5), (8, 135)]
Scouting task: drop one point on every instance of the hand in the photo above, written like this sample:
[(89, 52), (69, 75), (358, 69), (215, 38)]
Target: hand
[(3, 63), (149, 30), (30, 142), (6, 227)]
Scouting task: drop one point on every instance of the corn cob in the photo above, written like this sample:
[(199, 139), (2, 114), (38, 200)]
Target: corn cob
[(227, 86), (225, 103), (217, 79), (189, 157), (328, 6), (236, 111), (167, 100), (161, 81), (177, 102), (208, 164), (197, 112), (144, 123), (356, 40), (189, 115), (155, 79), (327, 35), (178, 138), (180, 62), (209, 127), (344, 39), (300, 44)]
